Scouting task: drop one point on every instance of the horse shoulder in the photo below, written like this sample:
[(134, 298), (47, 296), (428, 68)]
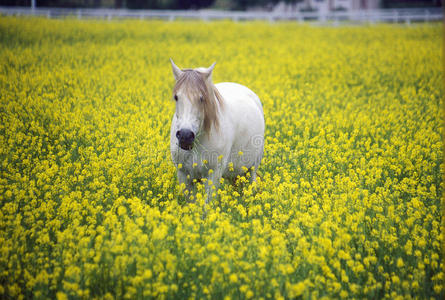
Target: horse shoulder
[(242, 108)]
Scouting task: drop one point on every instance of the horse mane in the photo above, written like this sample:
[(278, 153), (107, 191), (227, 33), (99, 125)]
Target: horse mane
[(196, 85)]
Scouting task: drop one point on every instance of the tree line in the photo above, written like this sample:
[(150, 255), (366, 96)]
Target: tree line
[(193, 4), (147, 4)]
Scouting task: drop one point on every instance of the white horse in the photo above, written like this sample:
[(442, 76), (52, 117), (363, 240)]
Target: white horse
[(217, 130)]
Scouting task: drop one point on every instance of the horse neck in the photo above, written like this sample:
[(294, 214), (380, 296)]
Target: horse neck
[(217, 98)]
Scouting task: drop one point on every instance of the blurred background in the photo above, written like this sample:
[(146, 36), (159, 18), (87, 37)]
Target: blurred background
[(258, 5)]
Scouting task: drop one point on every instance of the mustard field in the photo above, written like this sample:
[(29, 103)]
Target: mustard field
[(348, 199)]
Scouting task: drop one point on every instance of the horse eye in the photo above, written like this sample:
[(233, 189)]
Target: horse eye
[(176, 97)]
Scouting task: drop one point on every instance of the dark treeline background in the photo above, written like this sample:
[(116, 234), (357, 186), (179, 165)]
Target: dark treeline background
[(149, 4), (194, 4)]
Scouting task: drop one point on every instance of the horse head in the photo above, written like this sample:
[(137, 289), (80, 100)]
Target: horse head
[(197, 103)]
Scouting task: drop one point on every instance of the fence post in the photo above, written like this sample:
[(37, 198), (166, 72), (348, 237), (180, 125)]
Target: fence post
[(300, 18), (396, 16)]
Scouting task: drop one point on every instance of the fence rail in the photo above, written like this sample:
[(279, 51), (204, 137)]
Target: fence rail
[(360, 16)]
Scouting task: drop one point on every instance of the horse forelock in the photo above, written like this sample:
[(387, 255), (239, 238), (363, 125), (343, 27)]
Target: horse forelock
[(195, 85)]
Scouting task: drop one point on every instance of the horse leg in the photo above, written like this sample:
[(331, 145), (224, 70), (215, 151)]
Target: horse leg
[(182, 179), (212, 183), (252, 172)]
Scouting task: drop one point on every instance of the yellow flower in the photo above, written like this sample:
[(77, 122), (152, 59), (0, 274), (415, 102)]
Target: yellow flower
[(297, 289), (233, 278), (353, 151), (61, 296), (121, 211)]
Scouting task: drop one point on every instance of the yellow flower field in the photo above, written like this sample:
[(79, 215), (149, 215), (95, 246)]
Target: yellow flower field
[(348, 200)]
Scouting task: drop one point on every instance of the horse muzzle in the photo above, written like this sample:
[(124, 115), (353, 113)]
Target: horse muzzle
[(186, 138)]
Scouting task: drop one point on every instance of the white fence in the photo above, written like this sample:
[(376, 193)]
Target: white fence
[(361, 16)]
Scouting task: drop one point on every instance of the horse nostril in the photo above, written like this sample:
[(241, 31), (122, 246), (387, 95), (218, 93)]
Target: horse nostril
[(192, 136), (185, 135)]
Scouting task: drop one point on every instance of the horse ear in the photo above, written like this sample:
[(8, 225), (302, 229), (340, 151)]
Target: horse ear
[(209, 71), (176, 71)]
